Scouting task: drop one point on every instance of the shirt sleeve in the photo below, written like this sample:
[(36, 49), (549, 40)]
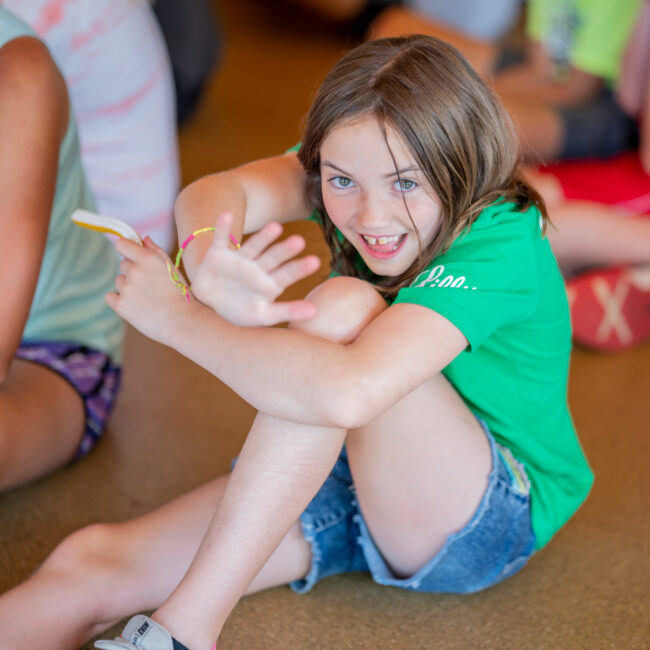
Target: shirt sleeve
[(601, 35), (486, 281)]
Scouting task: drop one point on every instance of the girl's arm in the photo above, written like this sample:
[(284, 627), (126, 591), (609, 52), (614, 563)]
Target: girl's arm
[(257, 193), (33, 120), (287, 373)]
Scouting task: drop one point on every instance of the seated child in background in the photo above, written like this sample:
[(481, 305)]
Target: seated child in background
[(113, 58), (600, 209), (559, 92), (59, 342), (413, 420)]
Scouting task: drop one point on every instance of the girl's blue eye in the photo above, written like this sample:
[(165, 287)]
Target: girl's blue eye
[(405, 185), (341, 181)]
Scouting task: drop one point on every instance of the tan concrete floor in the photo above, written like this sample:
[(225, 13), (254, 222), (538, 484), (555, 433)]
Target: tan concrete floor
[(175, 426)]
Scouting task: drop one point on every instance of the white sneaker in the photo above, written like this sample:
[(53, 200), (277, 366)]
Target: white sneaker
[(144, 633)]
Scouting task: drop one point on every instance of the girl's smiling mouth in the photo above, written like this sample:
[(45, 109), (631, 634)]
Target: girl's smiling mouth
[(383, 247)]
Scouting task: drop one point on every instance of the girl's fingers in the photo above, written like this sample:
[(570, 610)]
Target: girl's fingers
[(111, 299), (257, 243), (282, 252), (130, 250), (150, 245), (293, 310), (222, 230), (120, 281), (296, 270), (125, 266)]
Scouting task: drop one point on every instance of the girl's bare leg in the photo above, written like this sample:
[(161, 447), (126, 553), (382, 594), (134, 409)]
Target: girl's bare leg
[(280, 469), (36, 435), (105, 572), (411, 506)]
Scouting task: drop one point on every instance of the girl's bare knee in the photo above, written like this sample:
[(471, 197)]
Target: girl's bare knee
[(87, 552), (345, 307), (83, 567)]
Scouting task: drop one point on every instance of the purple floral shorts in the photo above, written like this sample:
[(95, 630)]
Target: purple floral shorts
[(90, 372)]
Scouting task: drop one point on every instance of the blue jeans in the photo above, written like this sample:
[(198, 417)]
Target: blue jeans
[(496, 542)]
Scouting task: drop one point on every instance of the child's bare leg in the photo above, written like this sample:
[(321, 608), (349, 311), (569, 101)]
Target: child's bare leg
[(433, 488), (588, 234), (106, 572), (281, 467), (37, 435)]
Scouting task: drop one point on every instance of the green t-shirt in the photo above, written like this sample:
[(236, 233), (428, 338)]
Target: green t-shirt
[(499, 284), (589, 34)]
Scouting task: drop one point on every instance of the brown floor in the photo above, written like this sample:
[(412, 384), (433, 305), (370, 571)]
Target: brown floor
[(175, 427)]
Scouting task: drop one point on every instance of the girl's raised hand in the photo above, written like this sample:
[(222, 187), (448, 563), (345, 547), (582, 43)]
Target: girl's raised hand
[(145, 295), (242, 285)]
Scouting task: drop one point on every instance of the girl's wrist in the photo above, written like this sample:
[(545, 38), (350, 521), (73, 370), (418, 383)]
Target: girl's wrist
[(180, 324)]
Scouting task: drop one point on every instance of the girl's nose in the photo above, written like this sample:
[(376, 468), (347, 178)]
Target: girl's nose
[(373, 213)]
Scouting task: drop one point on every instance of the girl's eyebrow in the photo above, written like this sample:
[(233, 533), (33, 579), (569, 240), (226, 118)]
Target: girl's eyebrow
[(399, 172), (327, 163), (404, 170)]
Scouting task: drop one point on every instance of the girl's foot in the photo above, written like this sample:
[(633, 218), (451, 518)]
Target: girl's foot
[(610, 308), (144, 633)]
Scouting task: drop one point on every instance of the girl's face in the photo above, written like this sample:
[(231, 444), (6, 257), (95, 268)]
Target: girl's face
[(365, 199)]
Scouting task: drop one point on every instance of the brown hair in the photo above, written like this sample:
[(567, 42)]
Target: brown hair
[(460, 135)]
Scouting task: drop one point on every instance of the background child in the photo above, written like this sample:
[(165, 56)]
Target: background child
[(558, 89), (113, 58), (426, 197), (59, 342)]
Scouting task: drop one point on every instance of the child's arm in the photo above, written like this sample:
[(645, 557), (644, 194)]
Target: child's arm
[(33, 119), (242, 285), (534, 81), (285, 372), (256, 194)]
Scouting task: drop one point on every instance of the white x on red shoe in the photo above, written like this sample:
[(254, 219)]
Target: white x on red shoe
[(610, 308)]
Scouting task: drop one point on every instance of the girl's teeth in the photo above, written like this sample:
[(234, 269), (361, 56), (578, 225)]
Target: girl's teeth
[(382, 241)]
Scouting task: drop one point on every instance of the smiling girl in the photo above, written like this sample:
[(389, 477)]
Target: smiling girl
[(413, 421)]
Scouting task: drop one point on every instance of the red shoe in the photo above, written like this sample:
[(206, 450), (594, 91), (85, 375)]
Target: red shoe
[(610, 308)]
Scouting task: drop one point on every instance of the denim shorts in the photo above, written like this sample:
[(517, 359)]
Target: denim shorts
[(92, 375), (496, 542)]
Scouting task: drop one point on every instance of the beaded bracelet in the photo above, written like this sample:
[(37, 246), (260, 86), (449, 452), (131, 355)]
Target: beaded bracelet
[(175, 269)]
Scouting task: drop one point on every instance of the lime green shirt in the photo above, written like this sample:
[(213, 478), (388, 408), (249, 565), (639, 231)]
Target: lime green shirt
[(589, 34), (499, 284)]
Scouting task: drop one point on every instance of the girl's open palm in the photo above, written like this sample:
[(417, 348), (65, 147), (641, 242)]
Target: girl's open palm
[(243, 285)]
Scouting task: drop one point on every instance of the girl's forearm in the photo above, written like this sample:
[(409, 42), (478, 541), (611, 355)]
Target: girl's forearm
[(198, 206), (271, 189), (282, 372)]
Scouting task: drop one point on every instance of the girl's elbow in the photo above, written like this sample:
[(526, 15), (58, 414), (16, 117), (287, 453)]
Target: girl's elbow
[(350, 411)]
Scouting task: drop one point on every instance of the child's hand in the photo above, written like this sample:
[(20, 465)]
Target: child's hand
[(146, 297), (242, 285)]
